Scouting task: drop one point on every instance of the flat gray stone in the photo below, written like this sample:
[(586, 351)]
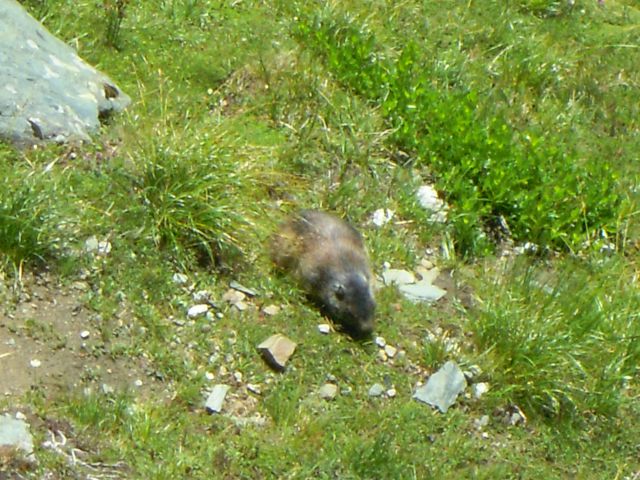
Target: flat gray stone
[(328, 391), (376, 390), (47, 92), (443, 387), (394, 276), (216, 398), (422, 292), (241, 288), (14, 433), (276, 350)]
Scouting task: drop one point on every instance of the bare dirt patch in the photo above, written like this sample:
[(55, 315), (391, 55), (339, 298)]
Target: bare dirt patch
[(49, 341)]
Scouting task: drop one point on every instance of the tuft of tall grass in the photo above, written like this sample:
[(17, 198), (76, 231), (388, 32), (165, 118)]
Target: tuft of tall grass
[(194, 199), (27, 216), (562, 347)]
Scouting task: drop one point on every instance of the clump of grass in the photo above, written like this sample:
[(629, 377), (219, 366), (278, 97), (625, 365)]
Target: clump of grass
[(114, 11), (27, 215), (562, 348), (486, 169), (194, 199)]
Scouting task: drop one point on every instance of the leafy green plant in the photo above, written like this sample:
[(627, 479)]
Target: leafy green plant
[(485, 168)]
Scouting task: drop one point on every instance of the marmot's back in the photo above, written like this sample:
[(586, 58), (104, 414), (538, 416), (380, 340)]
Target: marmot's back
[(328, 257)]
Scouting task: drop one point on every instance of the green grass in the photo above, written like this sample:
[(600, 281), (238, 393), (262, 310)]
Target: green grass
[(245, 111)]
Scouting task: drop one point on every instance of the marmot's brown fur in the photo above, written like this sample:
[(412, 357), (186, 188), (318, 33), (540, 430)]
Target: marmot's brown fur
[(327, 256)]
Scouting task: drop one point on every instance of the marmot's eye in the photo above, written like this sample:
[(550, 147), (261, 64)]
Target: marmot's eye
[(339, 292)]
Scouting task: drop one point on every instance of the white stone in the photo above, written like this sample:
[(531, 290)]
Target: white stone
[(390, 351), (382, 216), (216, 398), (324, 328), (197, 310)]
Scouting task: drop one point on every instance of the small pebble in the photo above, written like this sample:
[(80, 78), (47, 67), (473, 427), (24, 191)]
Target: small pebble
[(209, 376), (241, 288), (390, 351), (271, 310), (391, 392), (253, 388), (324, 328), (241, 306), (381, 342), (85, 334), (376, 390), (382, 355), (481, 422), (233, 296), (197, 310), (328, 391), (107, 389), (216, 398), (479, 389), (201, 296), (180, 278), (35, 363), (237, 376), (138, 383), (276, 350)]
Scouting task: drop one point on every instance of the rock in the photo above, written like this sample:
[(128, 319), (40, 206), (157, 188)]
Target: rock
[(479, 389), (197, 310), (381, 342), (382, 216), (35, 363), (394, 276), (514, 416), (138, 383), (422, 292), (324, 328), (180, 278), (48, 93), (429, 200), (382, 355), (276, 350), (481, 422), (216, 398), (271, 310), (376, 390), (233, 296), (107, 389), (241, 306), (241, 288), (391, 393), (443, 387), (201, 296), (85, 334), (14, 434), (328, 391), (390, 351), (253, 388), (428, 275)]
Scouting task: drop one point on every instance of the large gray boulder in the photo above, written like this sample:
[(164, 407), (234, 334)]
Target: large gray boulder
[(47, 93)]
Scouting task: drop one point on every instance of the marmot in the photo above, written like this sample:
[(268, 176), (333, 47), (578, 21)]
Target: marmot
[(327, 256)]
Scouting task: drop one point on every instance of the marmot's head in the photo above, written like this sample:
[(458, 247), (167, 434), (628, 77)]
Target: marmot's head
[(348, 299)]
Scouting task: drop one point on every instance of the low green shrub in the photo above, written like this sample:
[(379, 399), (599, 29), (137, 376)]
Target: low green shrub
[(486, 169)]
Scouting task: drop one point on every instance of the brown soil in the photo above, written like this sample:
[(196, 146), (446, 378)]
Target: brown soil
[(41, 347)]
